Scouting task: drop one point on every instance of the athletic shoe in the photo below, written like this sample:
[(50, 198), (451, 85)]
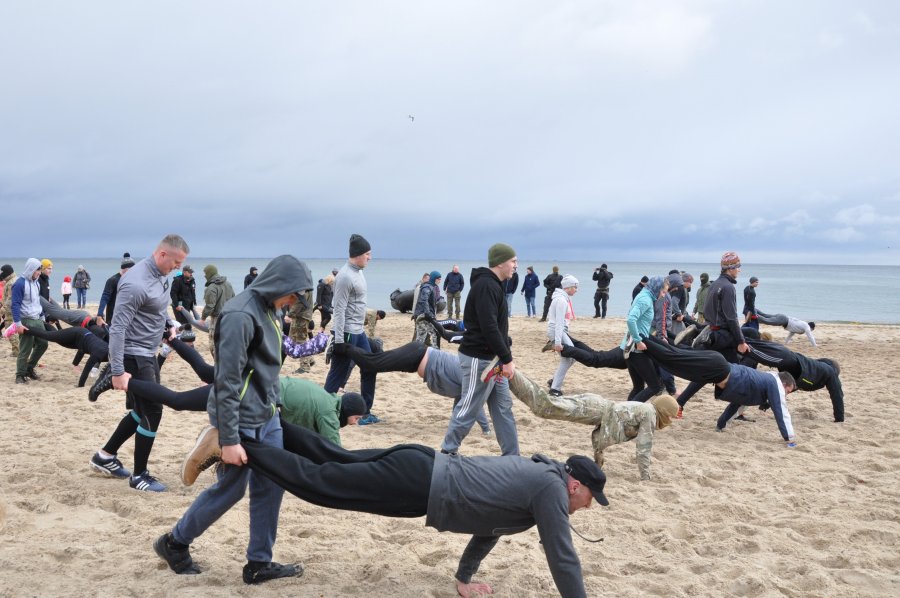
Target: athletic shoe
[(178, 559), (188, 336), (256, 572), (302, 370), (629, 346), (555, 393), (744, 418), (30, 373), (369, 419), (146, 483), (103, 383), (21, 380), (492, 370), (686, 335), (702, 338), (111, 467), (205, 453), (487, 433), (548, 346)]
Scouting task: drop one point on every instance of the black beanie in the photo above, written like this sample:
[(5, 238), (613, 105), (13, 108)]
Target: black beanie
[(358, 245), (352, 404), (5, 271)]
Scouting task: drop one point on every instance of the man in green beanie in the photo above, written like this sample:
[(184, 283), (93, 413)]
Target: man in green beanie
[(486, 318), (218, 292)]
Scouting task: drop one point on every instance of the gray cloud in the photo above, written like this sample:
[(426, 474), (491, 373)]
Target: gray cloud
[(652, 130)]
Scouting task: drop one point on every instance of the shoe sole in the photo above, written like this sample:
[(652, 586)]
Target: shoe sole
[(201, 466), (490, 371)]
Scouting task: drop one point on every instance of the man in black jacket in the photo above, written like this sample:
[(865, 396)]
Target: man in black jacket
[(552, 282), (487, 330), (184, 294), (603, 277)]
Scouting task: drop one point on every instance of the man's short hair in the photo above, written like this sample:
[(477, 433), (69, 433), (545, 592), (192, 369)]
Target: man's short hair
[(787, 379), (176, 242), (380, 314), (812, 325)]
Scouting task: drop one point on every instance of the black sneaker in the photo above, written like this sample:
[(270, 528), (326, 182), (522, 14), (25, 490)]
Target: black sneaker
[(329, 350), (256, 572), (103, 383), (555, 393), (178, 558), (32, 374), (548, 346), (21, 380)]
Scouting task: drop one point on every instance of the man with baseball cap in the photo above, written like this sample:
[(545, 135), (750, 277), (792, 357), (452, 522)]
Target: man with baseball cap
[(488, 497)]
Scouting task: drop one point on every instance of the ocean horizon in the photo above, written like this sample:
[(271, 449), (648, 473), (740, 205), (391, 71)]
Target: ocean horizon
[(832, 293)]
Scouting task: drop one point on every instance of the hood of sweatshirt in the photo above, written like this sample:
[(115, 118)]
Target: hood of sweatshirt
[(283, 276), (217, 279), (31, 266), (560, 293), (482, 272), (655, 285)]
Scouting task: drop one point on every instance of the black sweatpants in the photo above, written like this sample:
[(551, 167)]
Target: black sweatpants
[(583, 354), (405, 358), (188, 400), (645, 380), (393, 482), (707, 367)]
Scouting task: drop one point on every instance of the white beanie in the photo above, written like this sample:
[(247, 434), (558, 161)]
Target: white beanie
[(569, 281)]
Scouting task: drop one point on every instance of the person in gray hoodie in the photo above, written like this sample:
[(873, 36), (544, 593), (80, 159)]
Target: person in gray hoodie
[(242, 405), (27, 312), (488, 497)]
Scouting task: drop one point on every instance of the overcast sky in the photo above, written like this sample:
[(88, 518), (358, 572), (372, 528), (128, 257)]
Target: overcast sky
[(605, 130)]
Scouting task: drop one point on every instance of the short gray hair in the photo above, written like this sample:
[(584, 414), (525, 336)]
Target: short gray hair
[(175, 242)]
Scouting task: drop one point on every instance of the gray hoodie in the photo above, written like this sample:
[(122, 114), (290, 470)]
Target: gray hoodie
[(490, 497), (139, 320), (248, 341)]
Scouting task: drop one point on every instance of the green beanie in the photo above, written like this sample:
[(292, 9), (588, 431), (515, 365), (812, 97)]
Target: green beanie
[(210, 271), (499, 253)]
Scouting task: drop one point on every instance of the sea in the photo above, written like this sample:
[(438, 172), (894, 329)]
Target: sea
[(863, 294)]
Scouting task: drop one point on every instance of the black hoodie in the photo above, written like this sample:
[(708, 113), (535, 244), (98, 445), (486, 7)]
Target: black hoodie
[(486, 317)]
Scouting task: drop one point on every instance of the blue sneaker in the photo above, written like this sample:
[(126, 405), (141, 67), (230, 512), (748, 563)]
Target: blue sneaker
[(146, 483), (370, 419), (111, 467)]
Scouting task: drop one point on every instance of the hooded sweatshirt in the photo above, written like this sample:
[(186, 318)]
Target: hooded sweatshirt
[(640, 316), (486, 317), (491, 497), (561, 311), (218, 292), (26, 294), (248, 341)]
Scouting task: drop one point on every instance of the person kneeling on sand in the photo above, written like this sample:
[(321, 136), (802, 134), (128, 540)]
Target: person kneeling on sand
[(488, 497)]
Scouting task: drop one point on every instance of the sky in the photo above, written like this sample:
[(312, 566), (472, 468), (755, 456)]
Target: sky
[(632, 130)]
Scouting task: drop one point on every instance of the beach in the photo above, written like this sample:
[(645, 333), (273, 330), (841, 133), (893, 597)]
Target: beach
[(731, 514)]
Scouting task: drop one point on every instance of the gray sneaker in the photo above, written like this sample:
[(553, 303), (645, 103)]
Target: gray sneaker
[(703, 338), (111, 467)]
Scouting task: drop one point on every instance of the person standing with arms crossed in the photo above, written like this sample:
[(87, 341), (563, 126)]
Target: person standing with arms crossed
[(137, 327), (486, 339)]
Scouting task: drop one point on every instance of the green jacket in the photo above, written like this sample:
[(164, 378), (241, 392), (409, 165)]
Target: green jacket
[(306, 404)]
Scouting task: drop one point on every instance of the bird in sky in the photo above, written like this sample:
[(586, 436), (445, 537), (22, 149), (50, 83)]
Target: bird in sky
[(411, 117)]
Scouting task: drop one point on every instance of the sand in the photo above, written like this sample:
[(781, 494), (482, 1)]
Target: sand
[(733, 514)]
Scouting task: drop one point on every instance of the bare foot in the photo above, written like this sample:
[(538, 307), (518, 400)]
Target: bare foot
[(467, 590)]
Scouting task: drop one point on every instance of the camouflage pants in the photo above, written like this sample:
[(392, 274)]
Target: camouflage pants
[(581, 408), (301, 318), (212, 335), (425, 332)]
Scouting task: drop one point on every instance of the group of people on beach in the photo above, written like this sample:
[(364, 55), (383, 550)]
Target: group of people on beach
[(274, 433)]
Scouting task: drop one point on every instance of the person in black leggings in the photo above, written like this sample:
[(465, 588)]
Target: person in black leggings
[(90, 341)]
